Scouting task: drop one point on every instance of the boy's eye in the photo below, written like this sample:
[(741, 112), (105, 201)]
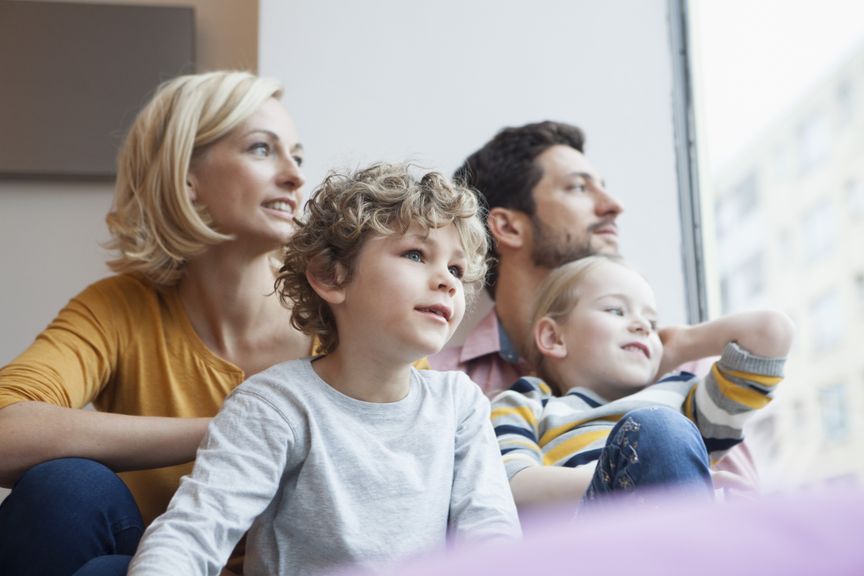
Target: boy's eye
[(260, 149), (653, 324), (616, 310), (456, 271), (415, 255), (298, 160)]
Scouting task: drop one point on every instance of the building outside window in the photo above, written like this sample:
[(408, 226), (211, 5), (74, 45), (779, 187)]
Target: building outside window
[(780, 137)]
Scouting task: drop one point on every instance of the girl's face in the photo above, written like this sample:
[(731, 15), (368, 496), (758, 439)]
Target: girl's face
[(250, 180), (610, 339)]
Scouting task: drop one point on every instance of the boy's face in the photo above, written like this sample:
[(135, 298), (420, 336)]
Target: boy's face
[(610, 336), (405, 298)]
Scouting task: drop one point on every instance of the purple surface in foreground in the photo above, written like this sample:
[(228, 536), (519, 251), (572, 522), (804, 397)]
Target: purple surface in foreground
[(799, 535)]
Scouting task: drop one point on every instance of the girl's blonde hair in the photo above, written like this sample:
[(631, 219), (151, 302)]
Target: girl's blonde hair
[(559, 294), (346, 210), (154, 225)]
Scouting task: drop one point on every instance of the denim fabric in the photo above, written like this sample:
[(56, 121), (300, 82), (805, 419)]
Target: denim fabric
[(652, 448), (64, 514)]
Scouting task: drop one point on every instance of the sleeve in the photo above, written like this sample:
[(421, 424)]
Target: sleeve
[(238, 471), (737, 385), (72, 359), (516, 416), (481, 504)]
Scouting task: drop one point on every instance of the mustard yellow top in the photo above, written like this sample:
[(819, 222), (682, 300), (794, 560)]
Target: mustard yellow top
[(129, 349)]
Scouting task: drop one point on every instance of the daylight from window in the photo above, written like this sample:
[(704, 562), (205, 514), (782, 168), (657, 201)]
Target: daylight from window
[(779, 96)]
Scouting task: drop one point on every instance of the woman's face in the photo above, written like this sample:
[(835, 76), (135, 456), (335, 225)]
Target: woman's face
[(249, 181)]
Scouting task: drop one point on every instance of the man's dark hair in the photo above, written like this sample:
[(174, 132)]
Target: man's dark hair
[(505, 174)]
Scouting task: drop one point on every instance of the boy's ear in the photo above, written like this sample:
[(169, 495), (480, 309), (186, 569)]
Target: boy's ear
[(507, 226), (549, 339), (326, 283)]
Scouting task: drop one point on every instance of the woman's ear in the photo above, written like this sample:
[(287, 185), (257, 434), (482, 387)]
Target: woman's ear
[(507, 226), (327, 282), (549, 339), (191, 187)]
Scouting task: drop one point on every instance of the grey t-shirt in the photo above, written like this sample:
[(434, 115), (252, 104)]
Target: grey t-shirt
[(324, 479)]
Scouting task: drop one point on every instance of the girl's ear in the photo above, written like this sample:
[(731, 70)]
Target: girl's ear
[(549, 339), (326, 282), (507, 226)]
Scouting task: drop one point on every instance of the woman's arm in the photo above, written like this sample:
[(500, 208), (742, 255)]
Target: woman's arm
[(34, 432)]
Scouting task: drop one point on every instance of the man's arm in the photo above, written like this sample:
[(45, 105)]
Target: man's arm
[(765, 333)]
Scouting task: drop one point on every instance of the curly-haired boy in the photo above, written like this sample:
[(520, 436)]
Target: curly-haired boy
[(353, 456)]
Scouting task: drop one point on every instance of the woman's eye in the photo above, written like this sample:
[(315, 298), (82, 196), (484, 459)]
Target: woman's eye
[(456, 271), (415, 255), (260, 149)]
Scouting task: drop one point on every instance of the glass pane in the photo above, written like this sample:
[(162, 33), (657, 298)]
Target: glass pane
[(779, 95)]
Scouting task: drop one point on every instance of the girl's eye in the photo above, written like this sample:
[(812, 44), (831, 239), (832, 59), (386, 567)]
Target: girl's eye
[(653, 324), (414, 255), (616, 310), (456, 271), (260, 149), (298, 160)]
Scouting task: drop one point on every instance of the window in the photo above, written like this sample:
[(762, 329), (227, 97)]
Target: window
[(738, 204), (827, 321), (855, 198), (835, 423), (820, 230), (813, 139), (782, 118)]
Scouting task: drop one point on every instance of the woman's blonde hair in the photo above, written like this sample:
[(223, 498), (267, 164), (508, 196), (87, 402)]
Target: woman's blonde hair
[(154, 225), (346, 210), (558, 295)]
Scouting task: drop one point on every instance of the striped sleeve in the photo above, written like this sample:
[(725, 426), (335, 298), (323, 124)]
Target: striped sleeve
[(516, 415), (738, 384)]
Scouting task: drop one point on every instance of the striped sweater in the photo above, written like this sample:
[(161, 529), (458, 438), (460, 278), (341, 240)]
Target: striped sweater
[(535, 428)]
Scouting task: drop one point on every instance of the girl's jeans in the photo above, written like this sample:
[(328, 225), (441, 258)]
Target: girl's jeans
[(68, 516), (651, 448)]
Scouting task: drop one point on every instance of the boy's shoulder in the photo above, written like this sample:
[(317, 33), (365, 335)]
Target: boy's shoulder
[(454, 385)]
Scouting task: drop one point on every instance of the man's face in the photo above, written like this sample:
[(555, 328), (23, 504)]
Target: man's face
[(574, 216)]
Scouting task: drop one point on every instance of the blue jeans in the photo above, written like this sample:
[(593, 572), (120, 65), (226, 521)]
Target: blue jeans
[(652, 448), (68, 516)]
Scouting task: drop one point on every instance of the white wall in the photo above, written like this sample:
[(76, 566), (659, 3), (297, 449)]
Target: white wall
[(50, 231), (432, 81)]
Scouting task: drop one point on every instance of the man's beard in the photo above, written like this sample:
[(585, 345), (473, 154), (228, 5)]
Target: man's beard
[(552, 252)]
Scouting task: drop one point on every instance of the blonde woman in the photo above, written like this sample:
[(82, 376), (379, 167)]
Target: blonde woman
[(207, 188)]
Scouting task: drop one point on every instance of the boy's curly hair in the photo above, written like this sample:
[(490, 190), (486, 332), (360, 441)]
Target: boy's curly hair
[(346, 209)]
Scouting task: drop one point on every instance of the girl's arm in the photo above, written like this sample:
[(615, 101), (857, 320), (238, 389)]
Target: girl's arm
[(764, 333), (537, 485)]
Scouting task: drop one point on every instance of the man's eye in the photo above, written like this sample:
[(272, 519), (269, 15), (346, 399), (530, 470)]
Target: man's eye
[(260, 149), (457, 271), (415, 255)]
